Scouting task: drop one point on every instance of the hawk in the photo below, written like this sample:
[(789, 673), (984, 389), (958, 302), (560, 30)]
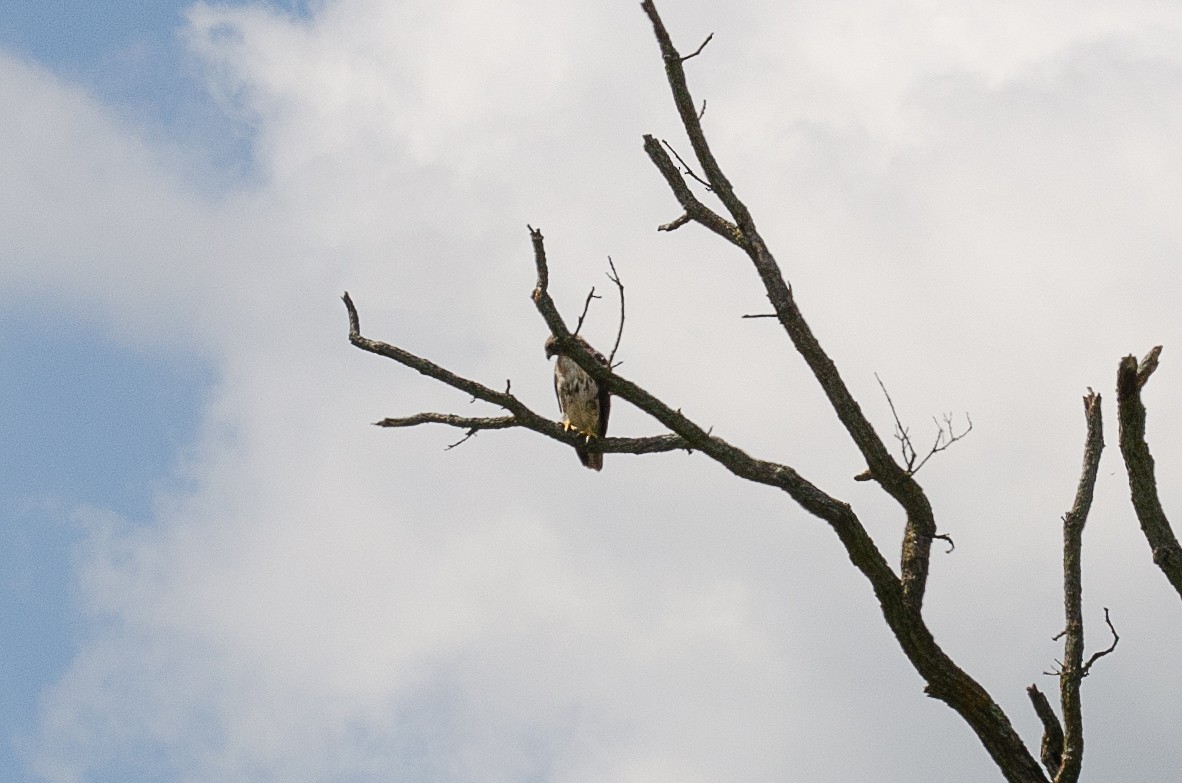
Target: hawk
[(584, 403)]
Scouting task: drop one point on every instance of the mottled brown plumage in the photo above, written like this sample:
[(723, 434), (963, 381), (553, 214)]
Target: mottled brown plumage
[(585, 404)]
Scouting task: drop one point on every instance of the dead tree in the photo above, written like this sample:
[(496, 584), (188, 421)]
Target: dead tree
[(900, 593)]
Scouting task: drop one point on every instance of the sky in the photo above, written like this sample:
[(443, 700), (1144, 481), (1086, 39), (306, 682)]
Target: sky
[(213, 566)]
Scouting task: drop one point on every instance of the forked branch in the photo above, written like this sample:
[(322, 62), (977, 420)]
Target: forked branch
[(946, 435), (900, 596), (520, 414), (921, 526), (945, 680)]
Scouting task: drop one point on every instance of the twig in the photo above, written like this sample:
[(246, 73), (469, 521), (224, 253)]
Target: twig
[(699, 49), (944, 437), (694, 209), (1098, 655), (761, 315), (702, 112), (614, 276), (462, 440), (947, 538), (587, 304), (685, 167)]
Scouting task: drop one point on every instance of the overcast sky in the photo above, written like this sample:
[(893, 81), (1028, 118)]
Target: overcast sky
[(214, 569)]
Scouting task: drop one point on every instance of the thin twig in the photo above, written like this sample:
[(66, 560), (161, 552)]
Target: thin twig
[(901, 434), (694, 209), (586, 305), (1098, 655), (614, 276), (685, 167), (699, 49), (461, 441), (761, 315), (945, 435), (944, 439)]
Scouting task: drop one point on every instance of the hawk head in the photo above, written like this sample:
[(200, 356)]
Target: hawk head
[(553, 350)]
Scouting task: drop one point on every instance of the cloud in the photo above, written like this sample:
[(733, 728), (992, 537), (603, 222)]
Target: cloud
[(981, 213)]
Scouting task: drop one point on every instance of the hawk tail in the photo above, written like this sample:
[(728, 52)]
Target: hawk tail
[(591, 459)]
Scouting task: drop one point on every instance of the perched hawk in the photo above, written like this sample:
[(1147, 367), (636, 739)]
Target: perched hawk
[(585, 405)]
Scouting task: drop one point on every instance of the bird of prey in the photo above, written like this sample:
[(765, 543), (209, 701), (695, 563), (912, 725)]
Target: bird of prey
[(585, 404)]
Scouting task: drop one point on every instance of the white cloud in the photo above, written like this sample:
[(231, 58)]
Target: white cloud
[(977, 204)]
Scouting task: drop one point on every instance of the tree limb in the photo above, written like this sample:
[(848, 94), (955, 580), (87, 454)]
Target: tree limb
[(521, 414), (921, 526), (586, 306), (1051, 751), (945, 680), (694, 209), (901, 601), (1072, 670), (1131, 376)]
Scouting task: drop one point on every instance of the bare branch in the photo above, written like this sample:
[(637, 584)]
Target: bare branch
[(760, 315), (694, 209), (587, 304), (452, 420), (1148, 365), (1072, 670), (521, 415), (1131, 376), (891, 477), (1052, 732), (699, 49), (1098, 655), (675, 224), (685, 167), (901, 433), (945, 435), (675, 73), (945, 680), (614, 276)]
